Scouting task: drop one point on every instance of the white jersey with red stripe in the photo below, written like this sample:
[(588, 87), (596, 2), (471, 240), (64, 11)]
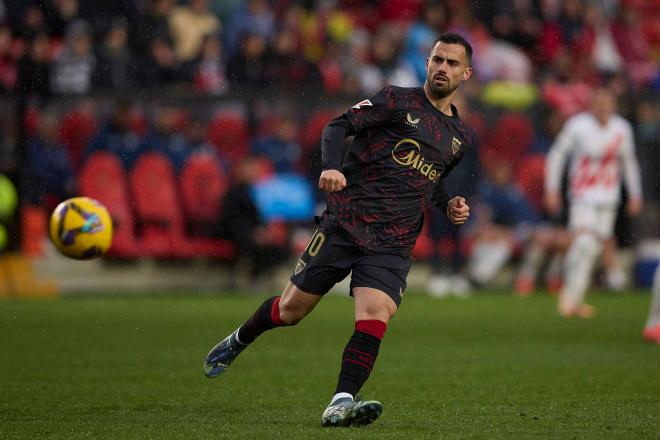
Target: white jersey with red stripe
[(600, 156)]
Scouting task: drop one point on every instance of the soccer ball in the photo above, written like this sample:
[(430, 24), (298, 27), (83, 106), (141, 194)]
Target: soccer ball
[(81, 228)]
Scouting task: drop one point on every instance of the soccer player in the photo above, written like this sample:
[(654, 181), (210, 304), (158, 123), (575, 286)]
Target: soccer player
[(602, 151), (652, 328), (406, 141)]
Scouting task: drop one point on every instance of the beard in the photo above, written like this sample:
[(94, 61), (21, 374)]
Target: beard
[(441, 91)]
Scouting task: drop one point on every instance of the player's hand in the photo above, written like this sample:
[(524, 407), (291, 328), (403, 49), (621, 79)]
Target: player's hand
[(634, 207), (552, 201), (458, 211), (332, 180)]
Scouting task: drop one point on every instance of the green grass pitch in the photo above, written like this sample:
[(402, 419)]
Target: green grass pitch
[(489, 367)]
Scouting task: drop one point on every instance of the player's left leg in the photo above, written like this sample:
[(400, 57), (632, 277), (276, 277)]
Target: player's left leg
[(578, 267), (652, 328), (373, 310), (591, 225)]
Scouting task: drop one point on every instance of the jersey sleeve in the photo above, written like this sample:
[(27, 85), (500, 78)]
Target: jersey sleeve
[(331, 141), (631, 174), (558, 155), (440, 196), (376, 110)]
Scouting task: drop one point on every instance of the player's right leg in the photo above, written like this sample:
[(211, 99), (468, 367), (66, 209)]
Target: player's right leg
[(277, 311)]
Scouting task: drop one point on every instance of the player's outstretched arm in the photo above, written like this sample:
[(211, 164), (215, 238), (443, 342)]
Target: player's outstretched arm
[(332, 180), (458, 210)]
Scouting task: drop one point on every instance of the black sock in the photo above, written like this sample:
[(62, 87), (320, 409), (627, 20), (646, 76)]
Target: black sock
[(266, 317), (359, 357)]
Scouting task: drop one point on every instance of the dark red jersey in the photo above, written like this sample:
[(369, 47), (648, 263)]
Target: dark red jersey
[(402, 150)]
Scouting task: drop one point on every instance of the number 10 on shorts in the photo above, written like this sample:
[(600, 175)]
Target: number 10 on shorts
[(315, 243)]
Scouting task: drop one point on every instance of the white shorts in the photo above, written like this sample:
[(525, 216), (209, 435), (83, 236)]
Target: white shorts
[(596, 219)]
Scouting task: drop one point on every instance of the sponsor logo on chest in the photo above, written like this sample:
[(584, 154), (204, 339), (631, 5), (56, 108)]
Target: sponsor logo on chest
[(413, 158)]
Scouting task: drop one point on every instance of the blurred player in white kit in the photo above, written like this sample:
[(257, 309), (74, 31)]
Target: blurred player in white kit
[(600, 146)]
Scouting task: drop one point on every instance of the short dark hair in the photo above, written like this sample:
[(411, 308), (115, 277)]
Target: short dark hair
[(452, 38)]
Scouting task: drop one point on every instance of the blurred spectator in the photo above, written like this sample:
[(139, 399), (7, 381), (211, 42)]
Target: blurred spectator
[(499, 60), (49, 177), (563, 87), (240, 222), (571, 20), (32, 23), (209, 68), (118, 137), (116, 65), (195, 133), (633, 45), (167, 137), (248, 65), (150, 25), (514, 21), (34, 67), (282, 147), (160, 66), (74, 66), (253, 17), (60, 15), (551, 123), (421, 35), (189, 24), (8, 64), (648, 143), (596, 43), (449, 251), (503, 220), (103, 13), (285, 66), (224, 8), (385, 54)]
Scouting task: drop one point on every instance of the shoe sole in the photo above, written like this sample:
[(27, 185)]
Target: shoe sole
[(212, 371), (364, 413)]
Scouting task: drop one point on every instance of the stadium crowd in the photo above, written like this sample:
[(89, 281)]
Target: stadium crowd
[(109, 76)]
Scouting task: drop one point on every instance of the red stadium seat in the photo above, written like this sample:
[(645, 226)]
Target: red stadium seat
[(102, 177), (153, 188), (229, 133), (530, 179), (159, 211), (203, 185), (76, 130)]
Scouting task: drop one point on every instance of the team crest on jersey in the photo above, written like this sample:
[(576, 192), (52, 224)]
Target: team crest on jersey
[(364, 103), (410, 121), (455, 146), (300, 265)]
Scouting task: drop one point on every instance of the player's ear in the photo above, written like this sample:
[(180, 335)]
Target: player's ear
[(427, 63), (467, 74)]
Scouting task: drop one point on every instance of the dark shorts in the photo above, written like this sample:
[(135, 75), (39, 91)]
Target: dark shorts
[(330, 257)]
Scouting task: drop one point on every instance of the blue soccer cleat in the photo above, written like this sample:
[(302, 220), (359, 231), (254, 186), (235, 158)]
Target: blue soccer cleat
[(222, 355), (349, 412)]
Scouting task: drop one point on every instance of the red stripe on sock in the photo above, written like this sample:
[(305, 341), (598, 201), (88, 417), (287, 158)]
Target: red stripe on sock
[(371, 327), (359, 363), (367, 355), (275, 312)]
